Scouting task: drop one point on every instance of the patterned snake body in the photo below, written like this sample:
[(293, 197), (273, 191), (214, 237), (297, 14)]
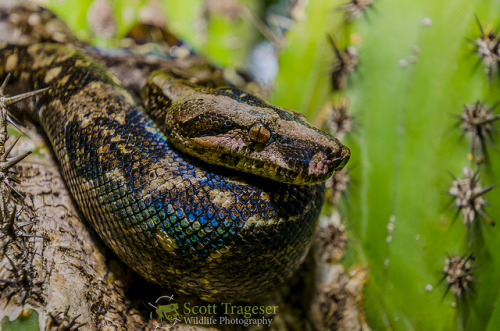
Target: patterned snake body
[(197, 228)]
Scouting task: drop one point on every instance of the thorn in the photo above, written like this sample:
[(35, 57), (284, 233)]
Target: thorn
[(14, 161), (6, 280), (14, 268), (482, 191), (4, 244), (355, 9), (23, 224), (14, 189), (7, 101), (17, 126), (334, 46), (345, 61), (73, 320), (7, 152), (29, 265), (457, 273), (12, 178), (23, 297), (15, 122), (479, 25), (27, 235), (4, 84)]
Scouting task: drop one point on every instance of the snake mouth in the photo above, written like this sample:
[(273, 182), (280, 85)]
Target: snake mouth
[(322, 165), (341, 161)]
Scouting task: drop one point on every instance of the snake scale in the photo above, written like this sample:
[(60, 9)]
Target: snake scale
[(181, 222)]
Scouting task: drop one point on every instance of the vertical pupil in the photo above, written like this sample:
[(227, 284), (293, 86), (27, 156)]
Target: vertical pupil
[(259, 133)]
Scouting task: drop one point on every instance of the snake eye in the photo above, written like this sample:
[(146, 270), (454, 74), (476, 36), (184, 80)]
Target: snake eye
[(258, 133)]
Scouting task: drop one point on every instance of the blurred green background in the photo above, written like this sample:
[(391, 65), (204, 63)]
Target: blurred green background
[(418, 67)]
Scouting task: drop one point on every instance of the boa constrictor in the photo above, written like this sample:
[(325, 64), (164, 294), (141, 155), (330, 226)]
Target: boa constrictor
[(224, 208)]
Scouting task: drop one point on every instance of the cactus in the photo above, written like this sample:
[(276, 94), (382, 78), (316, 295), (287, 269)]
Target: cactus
[(425, 235), (422, 199)]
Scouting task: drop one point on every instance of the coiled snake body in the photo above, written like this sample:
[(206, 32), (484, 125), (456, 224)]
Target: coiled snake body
[(197, 228)]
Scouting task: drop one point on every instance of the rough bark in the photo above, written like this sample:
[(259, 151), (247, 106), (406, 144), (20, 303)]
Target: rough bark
[(69, 268)]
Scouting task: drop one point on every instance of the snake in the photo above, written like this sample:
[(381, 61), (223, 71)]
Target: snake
[(210, 192)]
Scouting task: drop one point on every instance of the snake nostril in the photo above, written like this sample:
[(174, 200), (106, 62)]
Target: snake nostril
[(329, 153), (334, 154)]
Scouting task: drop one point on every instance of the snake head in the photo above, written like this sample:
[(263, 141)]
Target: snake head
[(235, 129)]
